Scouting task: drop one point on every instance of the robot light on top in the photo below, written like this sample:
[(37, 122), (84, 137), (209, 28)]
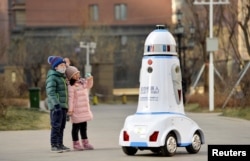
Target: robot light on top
[(160, 123)]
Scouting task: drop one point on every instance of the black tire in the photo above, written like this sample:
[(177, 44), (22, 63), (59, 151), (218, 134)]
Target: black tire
[(155, 150), (170, 147), (196, 144), (129, 150)]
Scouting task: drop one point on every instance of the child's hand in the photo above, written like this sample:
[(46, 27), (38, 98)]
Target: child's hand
[(91, 77), (70, 113)]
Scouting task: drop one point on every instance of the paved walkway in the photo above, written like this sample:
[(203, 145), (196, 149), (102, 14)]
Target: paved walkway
[(103, 131)]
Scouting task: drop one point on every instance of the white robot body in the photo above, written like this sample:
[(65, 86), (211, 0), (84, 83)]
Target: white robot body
[(160, 85), (160, 123)]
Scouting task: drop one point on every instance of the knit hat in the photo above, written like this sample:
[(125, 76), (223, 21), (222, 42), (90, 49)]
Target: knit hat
[(54, 61), (70, 71)]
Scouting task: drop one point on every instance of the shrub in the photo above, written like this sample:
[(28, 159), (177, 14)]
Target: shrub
[(8, 90)]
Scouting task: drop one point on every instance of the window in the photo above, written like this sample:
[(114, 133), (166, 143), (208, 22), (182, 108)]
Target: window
[(18, 12), (94, 12), (120, 12), (13, 77), (20, 1), (20, 18)]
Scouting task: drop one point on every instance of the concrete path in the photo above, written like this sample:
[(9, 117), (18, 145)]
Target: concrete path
[(104, 131)]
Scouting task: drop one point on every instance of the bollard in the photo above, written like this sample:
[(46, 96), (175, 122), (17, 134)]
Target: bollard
[(124, 99), (95, 100)]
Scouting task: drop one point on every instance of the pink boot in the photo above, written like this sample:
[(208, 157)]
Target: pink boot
[(77, 146), (86, 145)]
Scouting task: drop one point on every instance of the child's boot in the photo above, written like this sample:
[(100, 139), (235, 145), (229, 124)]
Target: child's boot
[(86, 145), (77, 146)]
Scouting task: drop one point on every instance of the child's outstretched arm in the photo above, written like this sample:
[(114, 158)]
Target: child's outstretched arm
[(90, 82)]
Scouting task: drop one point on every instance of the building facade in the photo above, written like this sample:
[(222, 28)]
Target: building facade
[(119, 27), (4, 31)]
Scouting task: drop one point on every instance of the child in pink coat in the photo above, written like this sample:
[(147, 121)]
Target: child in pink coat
[(79, 107)]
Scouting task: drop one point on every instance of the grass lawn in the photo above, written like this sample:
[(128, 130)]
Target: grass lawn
[(238, 112), (19, 118)]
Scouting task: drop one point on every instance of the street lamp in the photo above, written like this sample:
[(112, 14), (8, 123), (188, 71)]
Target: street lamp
[(212, 45), (90, 49), (179, 32), (191, 40)]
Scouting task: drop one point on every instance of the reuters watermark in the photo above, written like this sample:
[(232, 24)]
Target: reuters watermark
[(229, 152)]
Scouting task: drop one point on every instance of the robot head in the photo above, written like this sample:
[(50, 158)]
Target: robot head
[(160, 42)]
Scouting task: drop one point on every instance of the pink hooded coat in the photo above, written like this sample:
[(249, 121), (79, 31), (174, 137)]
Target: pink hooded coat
[(79, 100)]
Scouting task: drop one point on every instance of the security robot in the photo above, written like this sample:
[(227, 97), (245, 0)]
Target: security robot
[(160, 123)]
